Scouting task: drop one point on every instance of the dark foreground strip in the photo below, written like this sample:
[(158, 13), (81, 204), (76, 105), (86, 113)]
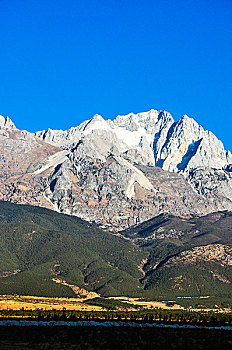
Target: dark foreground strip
[(120, 338), (28, 323)]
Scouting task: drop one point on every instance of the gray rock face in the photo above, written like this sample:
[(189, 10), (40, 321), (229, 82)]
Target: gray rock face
[(60, 138), (116, 194), (213, 184), (188, 146), (118, 172)]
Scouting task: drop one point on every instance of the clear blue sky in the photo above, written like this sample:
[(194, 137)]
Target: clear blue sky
[(62, 61)]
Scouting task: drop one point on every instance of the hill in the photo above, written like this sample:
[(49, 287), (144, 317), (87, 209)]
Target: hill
[(46, 253), (188, 257), (38, 245)]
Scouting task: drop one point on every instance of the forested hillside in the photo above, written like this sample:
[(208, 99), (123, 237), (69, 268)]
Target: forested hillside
[(45, 253), (187, 256), (38, 245)]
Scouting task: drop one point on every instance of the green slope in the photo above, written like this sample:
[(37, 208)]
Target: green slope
[(43, 244), (168, 237), (37, 245)]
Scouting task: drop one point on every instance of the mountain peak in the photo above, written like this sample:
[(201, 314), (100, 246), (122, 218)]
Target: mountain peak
[(97, 122), (97, 117), (185, 117), (6, 123)]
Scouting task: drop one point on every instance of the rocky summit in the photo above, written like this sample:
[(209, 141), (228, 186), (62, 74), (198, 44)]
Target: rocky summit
[(119, 172)]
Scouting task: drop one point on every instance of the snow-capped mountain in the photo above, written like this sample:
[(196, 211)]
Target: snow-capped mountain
[(151, 138), (118, 172)]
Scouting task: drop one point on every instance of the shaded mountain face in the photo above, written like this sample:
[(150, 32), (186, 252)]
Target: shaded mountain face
[(118, 173), (214, 226)]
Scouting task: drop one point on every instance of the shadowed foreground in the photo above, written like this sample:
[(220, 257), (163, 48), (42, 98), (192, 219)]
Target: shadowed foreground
[(92, 337)]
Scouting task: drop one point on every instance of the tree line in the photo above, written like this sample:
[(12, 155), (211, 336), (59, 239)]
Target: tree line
[(158, 316)]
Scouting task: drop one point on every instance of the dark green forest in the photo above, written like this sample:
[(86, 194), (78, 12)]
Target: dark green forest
[(42, 244)]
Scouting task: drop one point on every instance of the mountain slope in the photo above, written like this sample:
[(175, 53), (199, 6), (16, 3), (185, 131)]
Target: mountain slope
[(165, 256), (38, 245), (187, 257)]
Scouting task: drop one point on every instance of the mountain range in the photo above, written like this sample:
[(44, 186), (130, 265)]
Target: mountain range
[(118, 173)]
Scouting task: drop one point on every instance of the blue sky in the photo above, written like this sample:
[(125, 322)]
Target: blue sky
[(61, 62)]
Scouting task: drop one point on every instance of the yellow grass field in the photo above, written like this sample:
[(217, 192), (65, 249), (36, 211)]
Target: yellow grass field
[(149, 304), (16, 302)]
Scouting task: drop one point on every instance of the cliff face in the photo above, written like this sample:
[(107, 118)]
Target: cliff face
[(117, 173), (21, 155)]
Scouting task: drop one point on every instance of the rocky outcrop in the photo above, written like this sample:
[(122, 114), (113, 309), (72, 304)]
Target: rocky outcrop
[(189, 146), (116, 194), (21, 155), (219, 253), (213, 184)]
